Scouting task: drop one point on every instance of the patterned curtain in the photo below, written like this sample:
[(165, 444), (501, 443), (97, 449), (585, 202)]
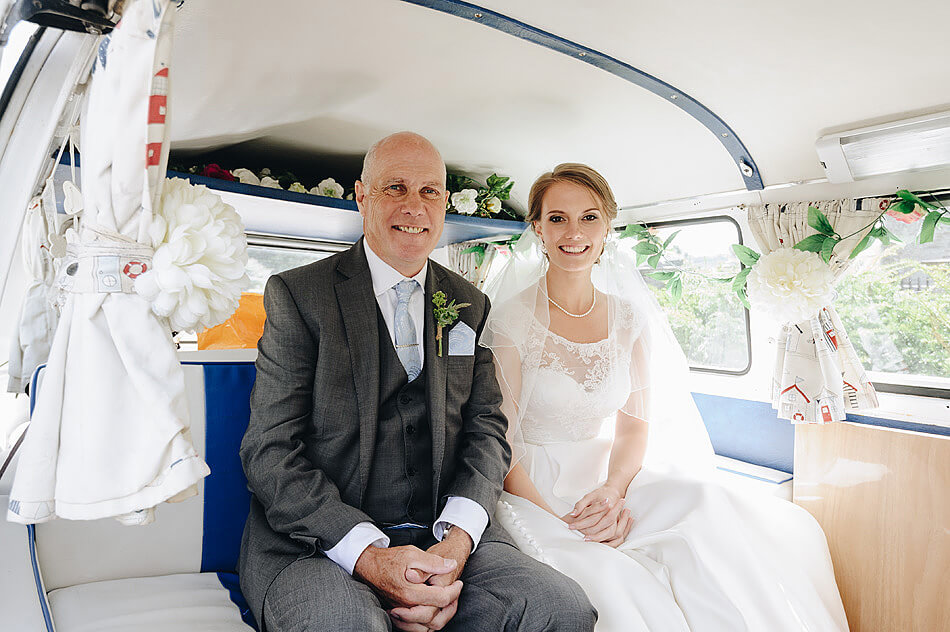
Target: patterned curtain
[(817, 376), (110, 433), (476, 266)]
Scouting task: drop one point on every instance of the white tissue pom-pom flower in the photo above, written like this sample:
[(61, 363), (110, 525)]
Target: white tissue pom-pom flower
[(493, 205), (198, 269), (328, 188), (464, 201), (296, 187), (270, 182), (246, 176), (790, 285)]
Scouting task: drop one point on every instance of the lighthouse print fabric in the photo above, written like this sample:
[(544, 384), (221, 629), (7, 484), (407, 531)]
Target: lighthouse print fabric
[(110, 433)]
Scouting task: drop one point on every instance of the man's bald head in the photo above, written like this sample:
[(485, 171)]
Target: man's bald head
[(402, 198), (398, 143)]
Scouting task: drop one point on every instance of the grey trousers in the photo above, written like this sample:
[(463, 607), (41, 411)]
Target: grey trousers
[(504, 590)]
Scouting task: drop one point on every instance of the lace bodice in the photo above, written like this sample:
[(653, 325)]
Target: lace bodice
[(576, 386)]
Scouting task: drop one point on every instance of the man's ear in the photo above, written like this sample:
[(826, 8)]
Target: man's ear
[(359, 194)]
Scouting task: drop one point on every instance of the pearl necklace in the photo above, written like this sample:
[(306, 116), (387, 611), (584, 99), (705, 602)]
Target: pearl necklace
[(593, 302)]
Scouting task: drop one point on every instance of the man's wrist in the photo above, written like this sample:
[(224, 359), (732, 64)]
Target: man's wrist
[(456, 535), (364, 562)]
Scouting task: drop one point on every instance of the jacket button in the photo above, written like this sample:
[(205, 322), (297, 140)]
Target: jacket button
[(404, 399), (411, 471), (410, 429)]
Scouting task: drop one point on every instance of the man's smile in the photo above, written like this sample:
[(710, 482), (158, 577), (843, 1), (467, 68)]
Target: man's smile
[(412, 230)]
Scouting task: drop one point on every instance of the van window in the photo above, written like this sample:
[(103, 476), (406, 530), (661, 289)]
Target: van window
[(267, 255), (707, 320), (895, 305)]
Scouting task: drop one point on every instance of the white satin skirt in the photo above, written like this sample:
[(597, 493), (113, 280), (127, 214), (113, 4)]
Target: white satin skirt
[(699, 557)]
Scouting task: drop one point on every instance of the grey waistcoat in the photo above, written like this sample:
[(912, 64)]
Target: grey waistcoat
[(400, 484)]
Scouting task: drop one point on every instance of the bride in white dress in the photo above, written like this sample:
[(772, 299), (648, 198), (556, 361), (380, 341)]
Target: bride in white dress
[(610, 458)]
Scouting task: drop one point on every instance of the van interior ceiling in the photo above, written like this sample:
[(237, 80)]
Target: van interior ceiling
[(698, 114)]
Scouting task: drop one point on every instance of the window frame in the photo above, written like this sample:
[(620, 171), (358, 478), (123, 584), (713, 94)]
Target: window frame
[(748, 328), (300, 244)]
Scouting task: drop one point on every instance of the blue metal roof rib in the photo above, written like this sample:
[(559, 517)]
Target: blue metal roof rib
[(719, 128)]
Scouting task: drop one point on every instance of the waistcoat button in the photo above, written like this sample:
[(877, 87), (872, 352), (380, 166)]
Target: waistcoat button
[(410, 429)]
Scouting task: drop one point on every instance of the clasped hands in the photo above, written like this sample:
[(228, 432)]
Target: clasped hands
[(601, 516), (420, 589)]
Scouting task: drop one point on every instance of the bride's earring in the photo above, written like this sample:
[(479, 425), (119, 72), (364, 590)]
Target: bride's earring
[(544, 249), (603, 247)]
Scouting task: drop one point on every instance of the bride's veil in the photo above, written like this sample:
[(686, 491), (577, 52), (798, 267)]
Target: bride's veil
[(519, 336)]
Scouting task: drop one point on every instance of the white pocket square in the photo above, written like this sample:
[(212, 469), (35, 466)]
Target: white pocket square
[(461, 340)]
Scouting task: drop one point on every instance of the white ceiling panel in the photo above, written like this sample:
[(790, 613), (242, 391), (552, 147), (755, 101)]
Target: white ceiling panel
[(332, 77)]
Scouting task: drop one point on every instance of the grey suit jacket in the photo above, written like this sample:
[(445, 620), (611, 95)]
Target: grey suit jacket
[(311, 439)]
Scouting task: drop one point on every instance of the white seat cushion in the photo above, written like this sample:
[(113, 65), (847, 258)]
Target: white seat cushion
[(170, 603)]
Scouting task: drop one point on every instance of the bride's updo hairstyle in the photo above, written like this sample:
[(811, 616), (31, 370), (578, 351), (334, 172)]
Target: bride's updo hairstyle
[(578, 174)]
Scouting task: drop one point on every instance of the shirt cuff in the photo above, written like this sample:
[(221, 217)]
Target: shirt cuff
[(465, 514), (352, 545)]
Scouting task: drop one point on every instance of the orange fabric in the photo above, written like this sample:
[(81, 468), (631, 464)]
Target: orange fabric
[(242, 330)]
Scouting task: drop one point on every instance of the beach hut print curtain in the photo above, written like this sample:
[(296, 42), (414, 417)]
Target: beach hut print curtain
[(109, 435), (818, 376)]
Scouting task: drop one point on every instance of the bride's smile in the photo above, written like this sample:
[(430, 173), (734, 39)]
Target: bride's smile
[(572, 227)]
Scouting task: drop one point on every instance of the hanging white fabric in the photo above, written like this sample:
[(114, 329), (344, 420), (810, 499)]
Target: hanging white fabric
[(30, 344), (817, 376), (42, 243), (110, 432)]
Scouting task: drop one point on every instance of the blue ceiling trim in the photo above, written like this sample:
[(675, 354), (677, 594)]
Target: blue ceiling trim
[(743, 159)]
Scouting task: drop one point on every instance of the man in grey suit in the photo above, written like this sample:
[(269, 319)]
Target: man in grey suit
[(376, 461)]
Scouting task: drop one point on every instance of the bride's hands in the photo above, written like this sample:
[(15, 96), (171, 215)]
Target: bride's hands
[(601, 517)]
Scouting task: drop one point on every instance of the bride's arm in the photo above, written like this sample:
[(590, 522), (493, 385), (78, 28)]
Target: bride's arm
[(519, 483), (627, 452), (508, 372)]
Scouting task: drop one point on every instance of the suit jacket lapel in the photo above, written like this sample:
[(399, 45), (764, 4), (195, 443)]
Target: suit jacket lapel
[(357, 304), (435, 380)]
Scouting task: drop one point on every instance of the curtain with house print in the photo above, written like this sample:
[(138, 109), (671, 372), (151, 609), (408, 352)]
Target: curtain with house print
[(817, 377)]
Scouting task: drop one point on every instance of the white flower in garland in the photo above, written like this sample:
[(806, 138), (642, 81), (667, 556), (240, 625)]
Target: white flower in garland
[(296, 187), (493, 205), (246, 176), (198, 269), (464, 201), (328, 188), (270, 182), (790, 285)]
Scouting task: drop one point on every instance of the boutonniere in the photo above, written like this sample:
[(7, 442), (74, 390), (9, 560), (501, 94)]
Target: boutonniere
[(445, 314)]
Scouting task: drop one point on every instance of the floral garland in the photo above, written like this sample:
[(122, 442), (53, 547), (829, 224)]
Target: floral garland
[(797, 276), (467, 196), (801, 275), (286, 181), (470, 198)]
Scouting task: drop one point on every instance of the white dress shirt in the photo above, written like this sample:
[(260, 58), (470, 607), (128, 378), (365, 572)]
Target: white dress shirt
[(460, 511)]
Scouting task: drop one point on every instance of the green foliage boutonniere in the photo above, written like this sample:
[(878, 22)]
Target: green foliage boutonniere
[(445, 314)]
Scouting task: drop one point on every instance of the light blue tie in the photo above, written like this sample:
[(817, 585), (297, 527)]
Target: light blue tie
[(407, 347)]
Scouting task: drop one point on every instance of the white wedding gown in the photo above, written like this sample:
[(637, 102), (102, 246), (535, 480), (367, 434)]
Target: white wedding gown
[(699, 557)]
